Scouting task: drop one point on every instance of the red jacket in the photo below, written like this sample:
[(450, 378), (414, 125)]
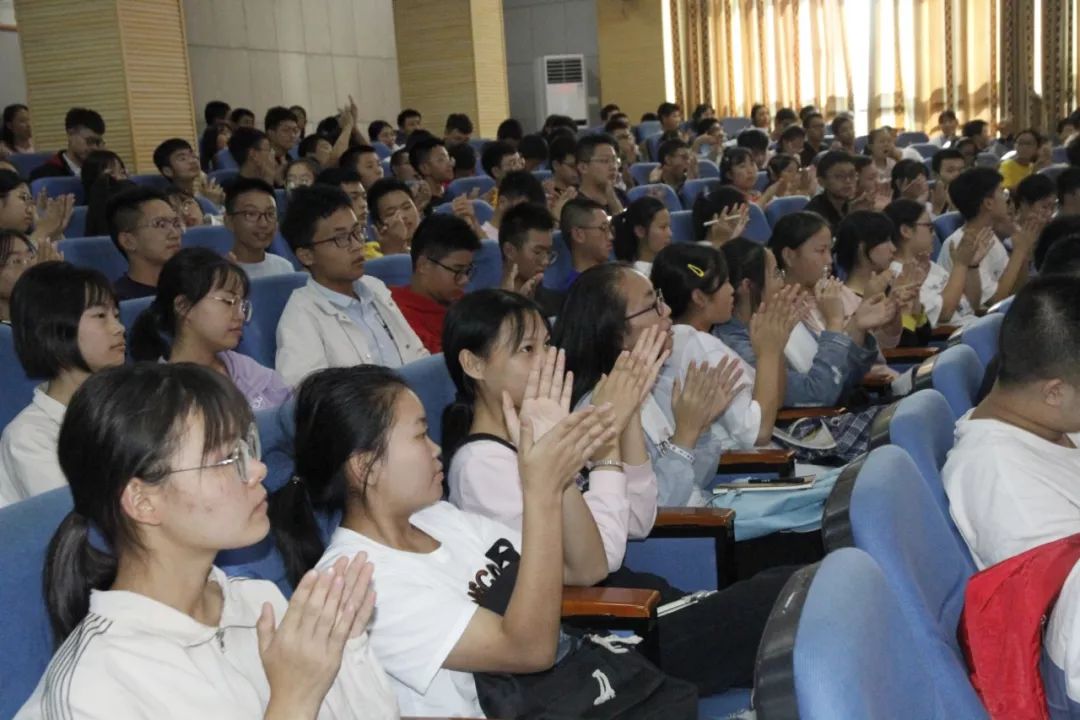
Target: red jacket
[(424, 315), (1001, 627)]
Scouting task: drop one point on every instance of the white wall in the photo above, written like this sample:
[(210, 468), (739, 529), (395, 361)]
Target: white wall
[(314, 53), (12, 77)]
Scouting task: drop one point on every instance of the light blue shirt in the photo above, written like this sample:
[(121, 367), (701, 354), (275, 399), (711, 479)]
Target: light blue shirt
[(365, 316)]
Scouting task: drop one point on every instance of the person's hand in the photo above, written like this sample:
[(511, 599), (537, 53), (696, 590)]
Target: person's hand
[(771, 325), (830, 303), (1027, 234), (546, 400), (208, 187), (939, 195), (421, 195), (873, 312), (392, 236), (883, 196), (550, 462), (55, 217), (302, 655), (728, 225), (47, 250), (632, 378), (462, 207), (879, 282), (904, 297), (560, 201), (973, 246), (694, 166), (705, 394), (509, 280), (808, 181), (862, 201), (654, 175)]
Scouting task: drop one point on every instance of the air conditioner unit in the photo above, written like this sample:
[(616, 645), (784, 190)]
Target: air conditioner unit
[(560, 87)]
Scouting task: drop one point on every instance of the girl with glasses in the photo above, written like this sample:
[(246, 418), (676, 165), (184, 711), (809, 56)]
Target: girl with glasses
[(16, 255), (198, 316), (165, 474)]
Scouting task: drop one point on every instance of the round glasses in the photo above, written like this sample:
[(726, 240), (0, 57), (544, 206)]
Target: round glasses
[(247, 450)]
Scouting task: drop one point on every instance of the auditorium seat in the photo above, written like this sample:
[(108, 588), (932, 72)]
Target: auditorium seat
[(489, 267), (223, 160), (945, 225), (213, 237), (16, 390), (481, 209), (757, 229), (692, 188), (130, 310), (782, 206), (556, 274), (926, 149), (381, 150), (910, 138), (663, 193), (957, 374), (640, 171), (96, 252), (652, 145), (982, 336), (224, 176), (393, 270), (57, 186), (155, 181), (708, 170), (76, 227), (762, 181), (734, 125), (26, 163), (645, 129), (268, 298), (682, 226), (280, 246), (465, 186)]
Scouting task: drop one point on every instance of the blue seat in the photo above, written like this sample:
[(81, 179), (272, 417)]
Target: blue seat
[(682, 226), (281, 199), (214, 237), (1002, 306), (56, 186), (157, 182), (652, 145), (542, 175), (557, 273), (837, 645), (465, 186), (782, 206), (640, 171), (987, 159), (489, 267), (478, 144), (207, 206), (860, 143), (1053, 171), (926, 149), (76, 227), (385, 162), (223, 160), (268, 298), (430, 380), (224, 175), (982, 336), (280, 246), (946, 224), (910, 138), (26, 163), (394, 270), (1058, 155), (17, 389), (692, 188), (481, 209), (957, 374), (381, 150), (895, 520), (734, 125), (757, 228), (130, 310), (762, 181), (708, 170), (645, 129), (663, 192), (96, 252)]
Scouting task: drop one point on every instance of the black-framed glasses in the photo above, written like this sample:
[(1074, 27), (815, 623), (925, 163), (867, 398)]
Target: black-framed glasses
[(606, 227), (656, 306), (344, 240), (163, 223), (254, 216), (460, 274), (243, 305), (248, 448), (546, 258)]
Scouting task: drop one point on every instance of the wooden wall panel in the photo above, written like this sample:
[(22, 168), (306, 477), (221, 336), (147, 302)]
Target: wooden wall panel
[(630, 36), (489, 62)]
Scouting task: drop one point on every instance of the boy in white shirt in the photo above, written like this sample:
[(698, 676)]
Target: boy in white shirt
[(251, 216), (1013, 477)]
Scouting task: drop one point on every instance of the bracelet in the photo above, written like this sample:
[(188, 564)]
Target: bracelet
[(676, 450), (973, 267), (615, 464)]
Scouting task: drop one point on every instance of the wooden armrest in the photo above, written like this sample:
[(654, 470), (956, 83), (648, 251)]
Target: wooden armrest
[(875, 382), (702, 517), (762, 456), (943, 332), (609, 602), (797, 413), (910, 354)]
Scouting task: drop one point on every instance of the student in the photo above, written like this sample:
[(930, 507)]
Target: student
[(443, 250), (978, 131), (839, 179), (608, 110), (400, 169), (408, 121), (66, 326), (725, 210), (947, 164), (250, 149), (738, 170), (214, 139), (18, 212), (16, 134), (341, 317), (760, 118), (1010, 477), (879, 147), (527, 246), (242, 118), (757, 143), (362, 452), (534, 152), (843, 130), (176, 160), (586, 230), (316, 148), (943, 294), (382, 132), (670, 116), (251, 216), (499, 158), (677, 164), (564, 164), (515, 188), (1025, 161), (814, 125), (785, 118), (300, 172), (708, 141), (100, 163), (967, 148), (84, 130), (459, 129), (16, 255), (1068, 191), (1061, 228), (187, 208), (282, 128), (433, 167), (159, 490), (350, 183), (510, 132), (463, 157), (1034, 196), (641, 232), (598, 166), (948, 123), (146, 231), (394, 216), (980, 198), (911, 180), (365, 161), (793, 141), (198, 316)]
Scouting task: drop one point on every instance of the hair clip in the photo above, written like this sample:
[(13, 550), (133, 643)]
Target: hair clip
[(297, 480), (695, 269)]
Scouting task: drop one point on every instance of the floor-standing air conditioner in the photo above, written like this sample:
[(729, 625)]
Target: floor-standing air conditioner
[(560, 87)]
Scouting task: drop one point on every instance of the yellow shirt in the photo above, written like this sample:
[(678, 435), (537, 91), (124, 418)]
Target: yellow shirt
[(372, 251), (1014, 172)]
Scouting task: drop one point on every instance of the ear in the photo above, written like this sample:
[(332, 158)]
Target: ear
[(787, 254), (1055, 393), (639, 232), (181, 306), (167, 172), (355, 469), (141, 502), (471, 364), (698, 298), (305, 256), (127, 241)]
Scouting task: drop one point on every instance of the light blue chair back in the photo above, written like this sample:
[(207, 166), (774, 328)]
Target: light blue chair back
[(946, 224), (481, 209), (77, 225), (757, 228), (926, 149), (26, 163), (157, 182), (381, 150), (692, 188), (762, 181), (910, 138), (489, 267), (223, 160), (393, 270), (464, 186), (213, 237), (224, 175), (708, 170), (268, 298), (557, 273), (782, 206), (645, 129), (682, 226), (734, 125), (640, 171), (57, 186), (957, 374), (430, 380), (665, 193), (130, 310), (96, 252), (982, 336), (16, 390)]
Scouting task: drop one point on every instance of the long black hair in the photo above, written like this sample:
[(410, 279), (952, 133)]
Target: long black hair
[(190, 274), (97, 162), (124, 422), (640, 214), (475, 323), (6, 133), (339, 412), (679, 270), (791, 231), (746, 261)]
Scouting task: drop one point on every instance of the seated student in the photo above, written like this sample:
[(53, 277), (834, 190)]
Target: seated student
[(670, 117), (719, 215), (941, 296), (605, 313), (534, 152), (738, 170), (843, 131), (586, 230), (510, 131), (393, 217), (282, 128), (793, 141), (641, 232), (870, 193), (783, 168), (176, 160), (980, 198), (785, 118), (187, 208), (301, 118), (365, 161), (1063, 227), (910, 180), (459, 129), (382, 132), (408, 122), (946, 164), (708, 141), (146, 231), (839, 181), (18, 213), (341, 317), (250, 149), (16, 133), (879, 147), (434, 168), (400, 169), (677, 164), (443, 250), (564, 165), (516, 187), (362, 452), (300, 172), (349, 181), (16, 255), (1011, 476), (499, 158), (242, 117), (464, 158), (1025, 161), (978, 131), (967, 148), (598, 167), (198, 316), (757, 142), (317, 148), (160, 488), (66, 326), (251, 216), (1068, 191), (84, 130), (1034, 197), (527, 246), (99, 163), (948, 123), (215, 138)]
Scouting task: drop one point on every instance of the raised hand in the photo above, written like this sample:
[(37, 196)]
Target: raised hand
[(873, 312), (632, 378), (392, 235), (546, 400), (705, 394), (422, 195), (550, 462), (55, 217), (771, 325), (830, 303), (728, 225)]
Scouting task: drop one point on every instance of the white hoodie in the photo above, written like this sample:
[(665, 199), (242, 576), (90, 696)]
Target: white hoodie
[(134, 657)]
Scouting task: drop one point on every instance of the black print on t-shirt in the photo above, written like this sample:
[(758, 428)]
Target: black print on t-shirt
[(493, 584)]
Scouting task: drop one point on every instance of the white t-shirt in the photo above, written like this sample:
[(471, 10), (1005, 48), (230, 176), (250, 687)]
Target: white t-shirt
[(134, 657), (1062, 638), (271, 265), (990, 269), (930, 297), (424, 603), (28, 462), (1009, 490)]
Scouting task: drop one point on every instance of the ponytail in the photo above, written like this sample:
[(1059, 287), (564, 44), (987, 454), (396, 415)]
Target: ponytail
[(74, 567), (295, 529), (457, 421), (639, 214), (149, 339)]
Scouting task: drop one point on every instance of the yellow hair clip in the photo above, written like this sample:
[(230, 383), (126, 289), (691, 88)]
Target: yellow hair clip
[(695, 269)]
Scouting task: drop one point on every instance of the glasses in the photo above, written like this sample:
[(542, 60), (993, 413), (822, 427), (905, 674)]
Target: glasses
[(606, 227), (657, 306), (247, 449), (605, 160), (460, 274), (94, 141), (344, 240), (545, 257), (164, 224), (254, 216), (234, 303), (926, 224)]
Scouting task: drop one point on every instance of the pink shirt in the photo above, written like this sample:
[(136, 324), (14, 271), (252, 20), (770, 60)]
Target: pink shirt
[(484, 479)]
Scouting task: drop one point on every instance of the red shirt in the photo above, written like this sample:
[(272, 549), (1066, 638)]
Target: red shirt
[(424, 315)]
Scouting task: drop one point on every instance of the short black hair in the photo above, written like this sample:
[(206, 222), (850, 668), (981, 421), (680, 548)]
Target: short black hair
[(350, 157), (792, 132), (974, 128), (794, 230), (124, 210), (163, 152), (399, 157), (520, 219), (561, 147), (704, 125), (649, 117), (381, 187), (459, 122), (831, 159), (239, 114), (861, 162), (666, 109), (942, 155), (493, 154), (440, 234), (946, 115), (510, 129), (618, 121), (860, 230), (215, 110), (375, 128), (1060, 227), (242, 141), (242, 185), (607, 110), (419, 151), (838, 121), (903, 213), (669, 147), (307, 206), (905, 171), (785, 115), (1063, 257), (405, 115), (1040, 336), (337, 176), (47, 302), (310, 145), (575, 213), (534, 147), (1068, 182), (522, 184), (277, 115), (84, 117), (753, 139), (1072, 151), (971, 187), (464, 157), (587, 145), (1032, 189)]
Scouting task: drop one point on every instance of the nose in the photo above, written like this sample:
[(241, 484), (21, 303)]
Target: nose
[(256, 472)]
